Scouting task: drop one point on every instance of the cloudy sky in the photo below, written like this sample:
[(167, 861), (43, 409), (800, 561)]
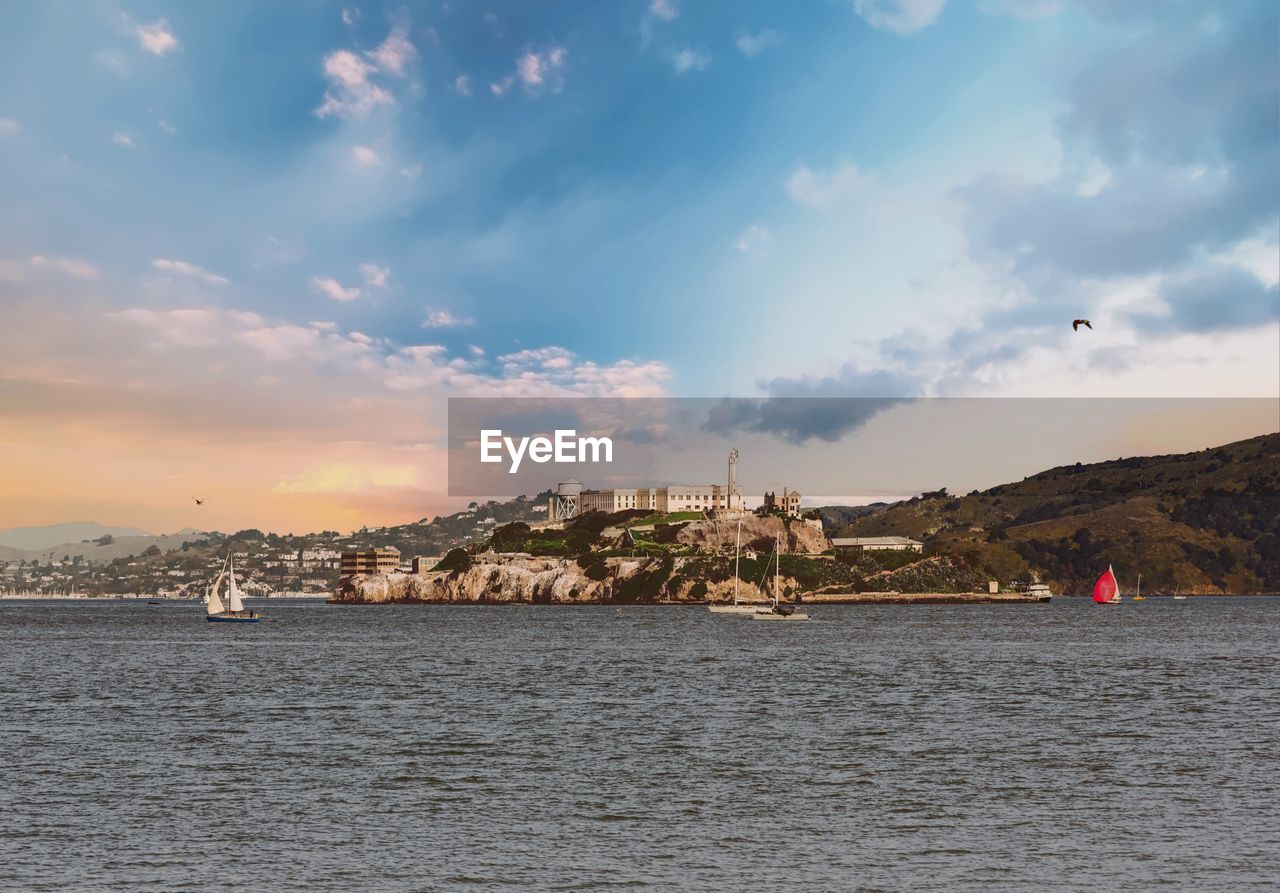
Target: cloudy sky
[(248, 249)]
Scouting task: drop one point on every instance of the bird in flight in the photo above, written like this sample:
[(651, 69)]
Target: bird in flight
[(198, 500), (1077, 323)]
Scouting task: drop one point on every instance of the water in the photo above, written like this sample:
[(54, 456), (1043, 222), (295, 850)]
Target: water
[(1058, 747)]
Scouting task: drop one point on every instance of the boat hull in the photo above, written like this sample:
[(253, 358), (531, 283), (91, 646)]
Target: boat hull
[(234, 618), (770, 615), (733, 609)]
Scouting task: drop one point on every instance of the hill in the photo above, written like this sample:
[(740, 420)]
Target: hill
[(1204, 522), (50, 535)]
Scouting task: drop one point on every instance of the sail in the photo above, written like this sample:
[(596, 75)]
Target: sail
[(1106, 589), (233, 594), (214, 604)]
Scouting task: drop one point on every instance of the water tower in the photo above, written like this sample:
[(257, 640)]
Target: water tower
[(566, 503)]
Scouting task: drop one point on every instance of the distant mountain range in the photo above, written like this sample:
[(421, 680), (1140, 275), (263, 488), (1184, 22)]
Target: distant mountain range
[(49, 535), (88, 541), (1204, 522)]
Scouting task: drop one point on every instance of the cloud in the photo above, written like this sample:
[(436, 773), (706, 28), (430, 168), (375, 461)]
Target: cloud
[(753, 240), (123, 139), (689, 59), (443, 319), (752, 45), (1212, 299), (332, 288), (666, 10), (903, 17), (542, 69), (187, 269), (1174, 120), (156, 38), (350, 15), (351, 93), (395, 53), (166, 126), (67, 266), (462, 85), (819, 188), (375, 276), (8, 127), (366, 156)]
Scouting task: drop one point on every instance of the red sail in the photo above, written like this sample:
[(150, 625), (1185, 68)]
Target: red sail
[(1105, 589)]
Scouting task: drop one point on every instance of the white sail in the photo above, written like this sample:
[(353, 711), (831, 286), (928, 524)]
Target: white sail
[(214, 604), (233, 594)]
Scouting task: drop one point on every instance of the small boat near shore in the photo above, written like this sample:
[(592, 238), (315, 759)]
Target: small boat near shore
[(736, 607), (234, 611), (778, 610)]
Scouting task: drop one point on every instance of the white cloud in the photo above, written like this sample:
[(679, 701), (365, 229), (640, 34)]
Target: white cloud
[(664, 9), (538, 70), (187, 269), (68, 266), (818, 188), (156, 38), (332, 288), (752, 45), (462, 85), (350, 93), (350, 15), (366, 156), (903, 17), (123, 139), (502, 85), (395, 53), (753, 240), (689, 59), (375, 276), (166, 126), (8, 127), (411, 171), (443, 319)]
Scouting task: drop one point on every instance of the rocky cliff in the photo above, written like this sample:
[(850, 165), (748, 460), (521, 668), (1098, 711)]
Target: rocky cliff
[(512, 580), (757, 533)]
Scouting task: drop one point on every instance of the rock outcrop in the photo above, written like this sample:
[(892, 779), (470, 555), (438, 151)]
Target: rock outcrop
[(720, 535), (528, 580)]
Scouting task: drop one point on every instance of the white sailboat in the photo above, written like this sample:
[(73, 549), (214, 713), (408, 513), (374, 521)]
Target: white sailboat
[(737, 607), (234, 611), (778, 611), (1176, 596)]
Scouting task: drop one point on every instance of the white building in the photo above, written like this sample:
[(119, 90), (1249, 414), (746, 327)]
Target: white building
[(877, 543)]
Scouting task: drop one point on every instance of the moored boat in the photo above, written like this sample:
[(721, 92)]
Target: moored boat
[(778, 611)]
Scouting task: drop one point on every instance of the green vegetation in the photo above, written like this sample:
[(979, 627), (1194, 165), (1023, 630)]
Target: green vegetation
[(455, 560)]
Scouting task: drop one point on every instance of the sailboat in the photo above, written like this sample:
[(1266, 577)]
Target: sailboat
[(778, 611), (1137, 595), (1176, 597), (737, 607), (234, 611), (1106, 591)]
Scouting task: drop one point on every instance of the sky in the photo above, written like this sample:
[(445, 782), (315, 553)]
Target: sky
[(247, 250)]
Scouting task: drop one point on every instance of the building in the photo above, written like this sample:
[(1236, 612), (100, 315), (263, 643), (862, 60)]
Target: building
[(877, 544), (572, 499), (382, 560), (788, 504), (422, 564)]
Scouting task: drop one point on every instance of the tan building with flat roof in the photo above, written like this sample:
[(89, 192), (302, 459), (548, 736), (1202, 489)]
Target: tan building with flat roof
[(382, 560)]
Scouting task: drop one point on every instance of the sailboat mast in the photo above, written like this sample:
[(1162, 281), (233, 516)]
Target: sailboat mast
[(1138, 591), (777, 567), (737, 549)]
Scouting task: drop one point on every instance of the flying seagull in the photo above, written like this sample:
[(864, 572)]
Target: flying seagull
[(1077, 323), (198, 500)]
